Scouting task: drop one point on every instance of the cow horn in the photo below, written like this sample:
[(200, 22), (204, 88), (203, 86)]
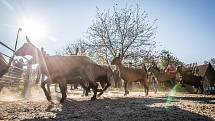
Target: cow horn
[(27, 39)]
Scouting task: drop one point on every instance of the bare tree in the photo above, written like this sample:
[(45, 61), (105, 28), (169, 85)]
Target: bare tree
[(166, 57), (206, 62), (127, 31), (212, 61), (78, 47)]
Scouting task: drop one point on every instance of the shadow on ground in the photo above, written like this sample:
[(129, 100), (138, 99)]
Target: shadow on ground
[(202, 100), (124, 109)]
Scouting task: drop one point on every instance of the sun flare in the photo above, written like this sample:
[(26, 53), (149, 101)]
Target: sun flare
[(34, 28)]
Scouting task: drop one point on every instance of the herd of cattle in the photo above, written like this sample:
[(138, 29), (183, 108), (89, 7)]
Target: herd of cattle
[(81, 69)]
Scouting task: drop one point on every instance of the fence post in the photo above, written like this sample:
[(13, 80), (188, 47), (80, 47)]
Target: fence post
[(27, 81)]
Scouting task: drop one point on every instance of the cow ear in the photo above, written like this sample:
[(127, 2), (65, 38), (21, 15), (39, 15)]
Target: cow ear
[(27, 39)]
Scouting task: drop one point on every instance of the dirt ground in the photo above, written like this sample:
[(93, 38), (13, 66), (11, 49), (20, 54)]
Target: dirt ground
[(112, 106)]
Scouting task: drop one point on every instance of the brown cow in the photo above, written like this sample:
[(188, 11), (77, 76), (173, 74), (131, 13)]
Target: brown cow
[(59, 69), (131, 75)]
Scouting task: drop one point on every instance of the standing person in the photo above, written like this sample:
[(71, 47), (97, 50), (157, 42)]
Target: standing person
[(171, 72)]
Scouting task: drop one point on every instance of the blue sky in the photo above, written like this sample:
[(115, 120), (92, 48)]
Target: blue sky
[(185, 27)]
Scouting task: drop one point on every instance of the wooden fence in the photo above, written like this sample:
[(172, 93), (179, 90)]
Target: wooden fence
[(14, 77)]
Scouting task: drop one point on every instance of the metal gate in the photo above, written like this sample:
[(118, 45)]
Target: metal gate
[(16, 75)]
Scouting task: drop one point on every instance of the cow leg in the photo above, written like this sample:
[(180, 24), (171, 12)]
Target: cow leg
[(1, 87), (155, 85), (90, 78), (47, 94), (197, 89), (76, 85), (115, 83), (94, 87), (105, 88), (103, 84), (71, 87), (66, 88), (146, 87), (126, 88), (38, 77), (48, 88), (86, 89), (55, 87), (63, 91), (201, 88), (85, 92)]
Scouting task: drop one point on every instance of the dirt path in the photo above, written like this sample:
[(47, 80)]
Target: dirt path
[(113, 106)]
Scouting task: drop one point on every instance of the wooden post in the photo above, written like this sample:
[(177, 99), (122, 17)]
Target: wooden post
[(27, 82)]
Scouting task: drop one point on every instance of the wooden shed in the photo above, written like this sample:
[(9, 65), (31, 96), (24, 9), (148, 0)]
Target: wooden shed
[(207, 71)]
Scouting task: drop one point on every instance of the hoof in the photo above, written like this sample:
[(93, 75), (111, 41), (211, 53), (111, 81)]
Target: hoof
[(146, 94), (49, 98), (126, 93), (93, 98), (100, 94), (62, 101)]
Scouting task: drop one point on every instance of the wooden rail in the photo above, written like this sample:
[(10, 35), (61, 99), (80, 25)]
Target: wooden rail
[(14, 77), (9, 49)]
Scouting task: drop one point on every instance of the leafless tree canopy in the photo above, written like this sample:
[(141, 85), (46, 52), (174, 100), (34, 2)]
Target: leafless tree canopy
[(78, 47), (212, 61), (127, 31)]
